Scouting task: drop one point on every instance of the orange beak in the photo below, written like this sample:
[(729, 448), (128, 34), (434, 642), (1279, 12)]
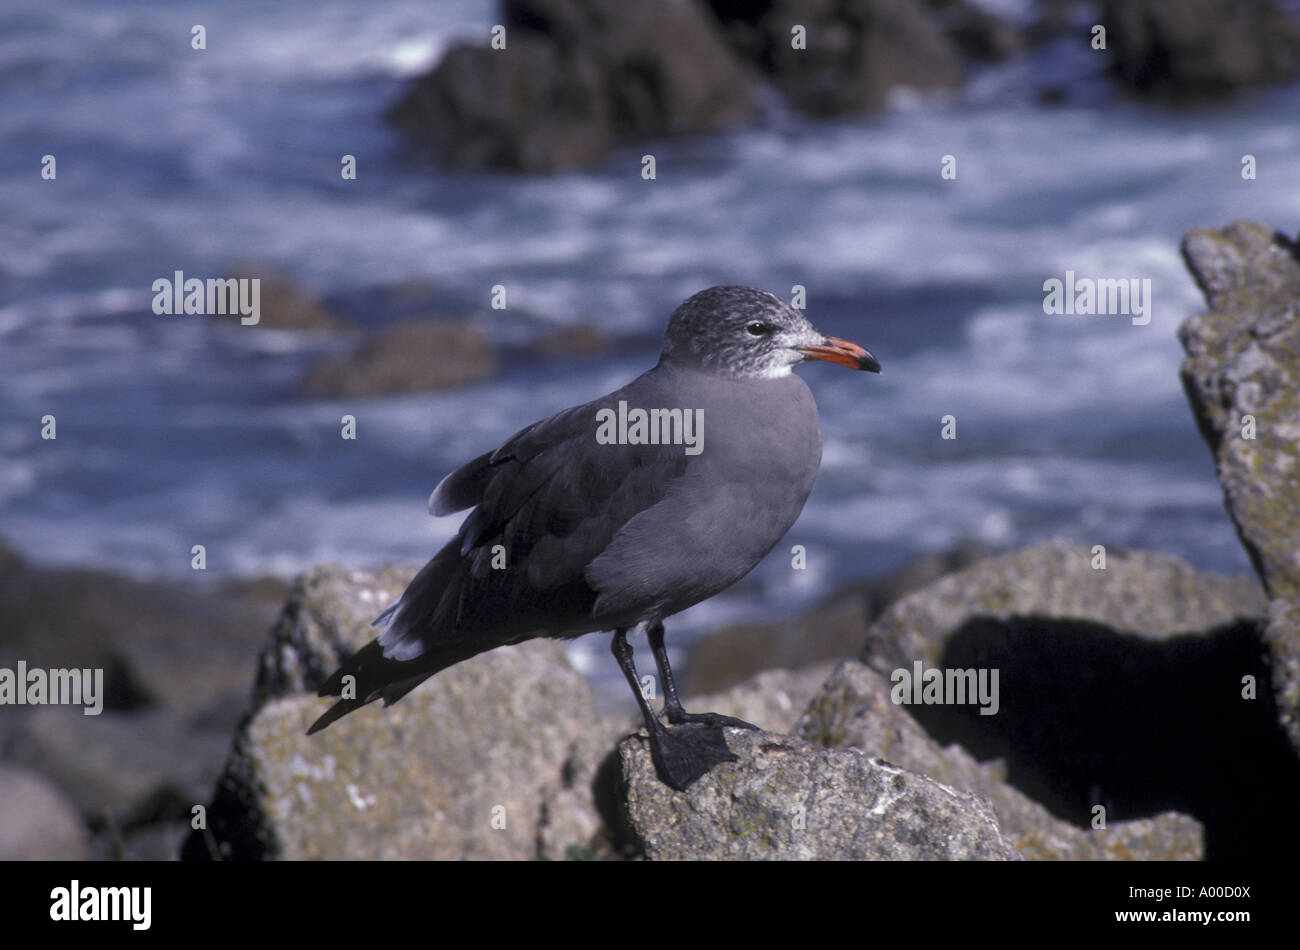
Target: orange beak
[(844, 353)]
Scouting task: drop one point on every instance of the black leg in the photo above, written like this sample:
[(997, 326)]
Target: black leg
[(681, 754), (672, 704)]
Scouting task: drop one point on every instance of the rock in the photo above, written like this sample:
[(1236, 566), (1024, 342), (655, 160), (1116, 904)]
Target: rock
[(510, 735), (407, 358), (980, 35), (326, 619), (1242, 370), (787, 799), (1112, 684), (459, 769), (284, 304), (772, 700), (37, 823), (834, 630), (580, 340), (577, 77), (857, 50), (853, 709), (1152, 595), (1199, 49), (59, 618)]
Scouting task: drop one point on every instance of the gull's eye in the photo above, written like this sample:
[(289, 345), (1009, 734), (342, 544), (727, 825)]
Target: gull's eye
[(758, 328)]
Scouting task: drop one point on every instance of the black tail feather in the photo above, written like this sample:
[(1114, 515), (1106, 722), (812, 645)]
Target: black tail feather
[(377, 677)]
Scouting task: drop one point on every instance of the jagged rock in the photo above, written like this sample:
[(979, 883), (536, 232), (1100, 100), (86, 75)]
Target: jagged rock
[(833, 630), (1113, 683), (786, 799), (853, 709), (326, 619), (37, 823), (1196, 49), (1242, 377), (577, 77), (495, 757), (979, 34), (407, 358), (856, 52)]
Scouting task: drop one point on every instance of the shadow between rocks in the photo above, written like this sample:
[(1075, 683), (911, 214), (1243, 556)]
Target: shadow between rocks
[(1088, 716)]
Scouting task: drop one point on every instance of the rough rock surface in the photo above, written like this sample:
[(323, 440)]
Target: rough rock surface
[(856, 50), (577, 77), (1197, 49), (787, 799), (1243, 360), (36, 822), (1112, 684), (407, 358), (494, 758), (853, 709)]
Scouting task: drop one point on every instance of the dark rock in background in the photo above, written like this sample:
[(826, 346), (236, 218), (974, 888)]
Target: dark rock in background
[(283, 303), (857, 50), (1189, 50), (577, 77), (1243, 359), (407, 358), (176, 678)]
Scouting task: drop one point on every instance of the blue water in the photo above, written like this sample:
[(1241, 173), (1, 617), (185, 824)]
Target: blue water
[(173, 432)]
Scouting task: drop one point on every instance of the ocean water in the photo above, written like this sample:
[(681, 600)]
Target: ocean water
[(173, 432)]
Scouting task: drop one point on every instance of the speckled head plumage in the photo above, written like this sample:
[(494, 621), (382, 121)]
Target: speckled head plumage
[(742, 332)]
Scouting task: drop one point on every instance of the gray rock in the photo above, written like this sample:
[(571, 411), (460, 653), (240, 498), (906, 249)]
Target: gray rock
[(1243, 359), (326, 619), (833, 630), (509, 737), (138, 767), (857, 50), (1152, 595), (853, 709), (773, 700), (406, 358), (1198, 49), (283, 304), (37, 823), (459, 769), (1112, 684), (786, 799), (577, 77)]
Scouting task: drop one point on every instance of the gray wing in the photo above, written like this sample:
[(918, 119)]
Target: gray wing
[(550, 501)]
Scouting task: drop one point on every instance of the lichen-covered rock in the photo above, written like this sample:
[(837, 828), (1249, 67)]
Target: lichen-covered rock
[(460, 768), (786, 799), (326, 619), (1242, 377), (853, 709), (1152, 595)]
